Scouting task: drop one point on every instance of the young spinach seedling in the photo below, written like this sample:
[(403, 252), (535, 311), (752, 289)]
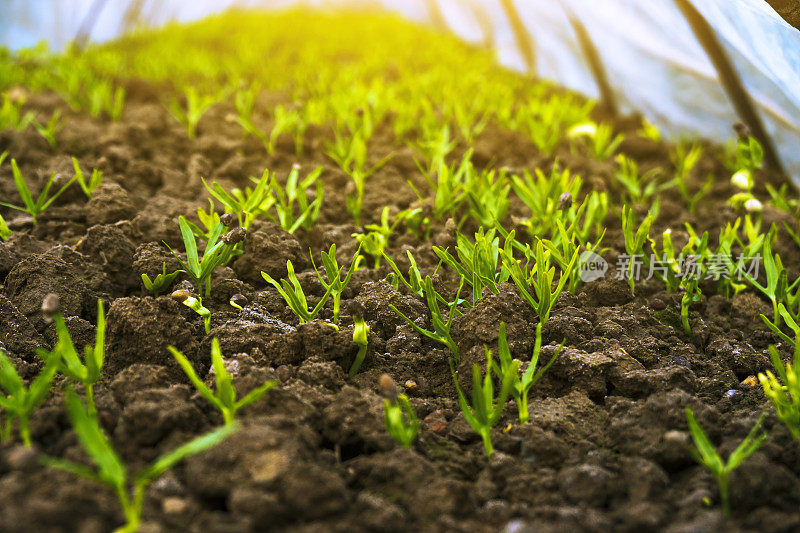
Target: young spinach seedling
[(784, 394), (333, 271), (87, 372), (161, 282), (634, 240), (224, 398), (399, 417), (112, 472), (485, 411), (217, 253), (536, 286), (521, 386), (360, 333), (42, 202), (295, 298), (441, 323), (196, 305), (20, 402), (95, 179), (705, 454)]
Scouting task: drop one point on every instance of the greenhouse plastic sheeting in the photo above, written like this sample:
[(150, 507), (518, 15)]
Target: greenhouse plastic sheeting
[(655, 63), (653, 60)]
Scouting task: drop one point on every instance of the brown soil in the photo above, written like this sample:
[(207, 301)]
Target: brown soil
[(606, 449)]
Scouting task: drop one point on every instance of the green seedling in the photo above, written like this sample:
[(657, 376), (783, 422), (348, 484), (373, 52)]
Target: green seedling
[(788, 320), (536, 286), (42, 202), (161, 282), (635, 237), (728, 285), (638, 188), (670, 268), (87, 372), (103, 98), (441, 323), (487, 195), (112, 472), (295, 298), (748, 157), (224, 398), (50, 130), (95, 179), (20, 402), (287, 120), (11, 115), (360, 333), (521, 385), (600, 138), (418, 221), (781, 200), (296, 192), (650, 131), (546, 119), (415, 282), (434, 144), (776, 287), (705, 454), (565, 248), (447, 185), (375, 242), (471, 116), (399, 417), (333, 281), (691, 294), (5, 231), (195, 106), (478, 263), (485, 411), (542, 194), (247, 205), (196, 305), (784, 394), (684, 161), (350, 153), (218, 253)]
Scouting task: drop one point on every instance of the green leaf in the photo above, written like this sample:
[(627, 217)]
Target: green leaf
[(254, 395), (188, 369), (190, 244), (225, 391), (193, 447), (22, 188), (708, 455), (40, 386), (71, 467), (111, 469), (9, 379), (748, 446)]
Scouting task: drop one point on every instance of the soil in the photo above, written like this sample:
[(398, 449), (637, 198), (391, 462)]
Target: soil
[(607, 446), (788, 9)]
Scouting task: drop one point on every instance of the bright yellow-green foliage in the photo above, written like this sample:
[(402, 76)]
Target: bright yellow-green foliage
[(329, 64)]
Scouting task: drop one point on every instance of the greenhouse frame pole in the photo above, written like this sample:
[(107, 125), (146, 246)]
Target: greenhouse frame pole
[(521, 35), (598, 70), (731, 82)]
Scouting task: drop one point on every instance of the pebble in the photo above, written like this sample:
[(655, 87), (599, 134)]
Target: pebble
[(750, 382), (435, 422)]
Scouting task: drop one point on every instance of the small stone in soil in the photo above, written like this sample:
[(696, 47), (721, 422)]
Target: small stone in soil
[(750, 382), (435, 422), (284, 373)]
